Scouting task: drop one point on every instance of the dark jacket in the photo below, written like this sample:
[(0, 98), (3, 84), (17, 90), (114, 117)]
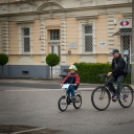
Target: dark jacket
[(72, 79), (117, 66)]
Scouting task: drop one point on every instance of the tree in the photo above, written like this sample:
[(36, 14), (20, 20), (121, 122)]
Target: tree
[(3, 61), (52, 60)]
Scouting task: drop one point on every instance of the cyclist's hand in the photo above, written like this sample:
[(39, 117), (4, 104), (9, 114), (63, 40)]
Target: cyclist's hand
[(109, 74), (61, 85), (75, 84)]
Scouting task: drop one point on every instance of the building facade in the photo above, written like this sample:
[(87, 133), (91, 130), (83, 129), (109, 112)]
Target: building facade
[(90, 29)]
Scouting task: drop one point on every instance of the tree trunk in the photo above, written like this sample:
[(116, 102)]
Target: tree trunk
[(51, 73), (2, 71)]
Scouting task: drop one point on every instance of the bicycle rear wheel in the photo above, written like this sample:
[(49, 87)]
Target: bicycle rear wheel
[(78, 102), (101, 98), (126, 96)]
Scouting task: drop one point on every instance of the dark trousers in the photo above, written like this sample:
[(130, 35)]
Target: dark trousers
[(119, 80), (71, 90)]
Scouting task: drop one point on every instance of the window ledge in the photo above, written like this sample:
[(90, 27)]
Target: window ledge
[(27, 54), (54, 41)]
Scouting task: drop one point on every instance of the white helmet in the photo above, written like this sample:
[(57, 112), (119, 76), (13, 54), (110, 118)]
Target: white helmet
[(73, 67)]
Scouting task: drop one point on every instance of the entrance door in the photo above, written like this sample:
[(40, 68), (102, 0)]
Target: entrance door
[(54, 41), (126, 42), (54, 47)]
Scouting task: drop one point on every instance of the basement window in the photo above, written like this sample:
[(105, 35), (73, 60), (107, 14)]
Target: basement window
[(25, 72)]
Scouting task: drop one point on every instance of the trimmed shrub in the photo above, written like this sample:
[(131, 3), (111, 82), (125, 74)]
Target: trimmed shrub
[(52, 60), (89, 72)]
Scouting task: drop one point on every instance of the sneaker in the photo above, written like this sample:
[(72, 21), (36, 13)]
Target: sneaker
[(115, 98), (73, 98), (112, 98)]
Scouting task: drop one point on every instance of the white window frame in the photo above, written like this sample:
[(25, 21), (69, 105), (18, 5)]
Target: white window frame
[(28, 36), (87, 34), (55, 44), (81, 37), (24, 25)]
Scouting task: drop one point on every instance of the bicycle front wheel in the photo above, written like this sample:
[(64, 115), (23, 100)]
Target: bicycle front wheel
[(100, 98), (62, 104), (126, 96)]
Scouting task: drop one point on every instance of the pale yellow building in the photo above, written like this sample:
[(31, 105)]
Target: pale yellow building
[(31, 29)]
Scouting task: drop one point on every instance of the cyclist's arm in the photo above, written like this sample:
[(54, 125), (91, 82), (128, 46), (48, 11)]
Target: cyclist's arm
[(65, 79), (77, 79)]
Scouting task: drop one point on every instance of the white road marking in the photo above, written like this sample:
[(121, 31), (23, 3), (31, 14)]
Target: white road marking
[(32, 130), (41, 90)]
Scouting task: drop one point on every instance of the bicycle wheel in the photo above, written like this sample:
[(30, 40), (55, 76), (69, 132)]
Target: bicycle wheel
[(62, 104), (126, 96), (78, 101), (101, 98)]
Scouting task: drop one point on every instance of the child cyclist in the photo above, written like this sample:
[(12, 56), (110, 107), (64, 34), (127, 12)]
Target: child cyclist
[(74, 80)]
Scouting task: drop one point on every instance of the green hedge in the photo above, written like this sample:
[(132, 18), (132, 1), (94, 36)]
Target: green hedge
[(89, 72)]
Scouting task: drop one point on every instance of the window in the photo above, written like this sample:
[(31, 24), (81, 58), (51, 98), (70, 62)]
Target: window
[(88, 38), (26, 39), (54, 34)]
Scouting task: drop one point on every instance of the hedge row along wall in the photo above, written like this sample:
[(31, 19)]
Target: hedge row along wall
[(89, 72)]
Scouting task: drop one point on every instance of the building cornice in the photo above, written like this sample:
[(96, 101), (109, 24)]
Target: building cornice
[(17, 1), (66, 10), (86, 17), (26, 54), (27, 21), (87, 54), (127, 14)]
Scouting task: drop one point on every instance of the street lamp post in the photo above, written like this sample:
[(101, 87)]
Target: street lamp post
[(132, 45)]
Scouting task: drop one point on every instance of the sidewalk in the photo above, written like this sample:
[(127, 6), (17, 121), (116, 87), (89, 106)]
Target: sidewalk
[(44, 82)]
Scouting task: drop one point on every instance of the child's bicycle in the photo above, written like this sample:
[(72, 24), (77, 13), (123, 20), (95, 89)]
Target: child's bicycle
[(64, 101), (101, 96)]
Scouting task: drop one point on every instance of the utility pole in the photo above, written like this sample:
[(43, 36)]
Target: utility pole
[(132, 45)]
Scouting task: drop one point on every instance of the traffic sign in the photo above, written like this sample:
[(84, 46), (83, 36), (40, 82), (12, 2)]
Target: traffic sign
[(69, 52)]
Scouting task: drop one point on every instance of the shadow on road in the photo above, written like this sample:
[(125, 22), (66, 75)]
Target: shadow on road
[(14, 129)]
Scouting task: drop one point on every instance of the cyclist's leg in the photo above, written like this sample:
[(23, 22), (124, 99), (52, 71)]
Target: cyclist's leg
[(68, 92), (110, 83), (120, 79), (72, 90)]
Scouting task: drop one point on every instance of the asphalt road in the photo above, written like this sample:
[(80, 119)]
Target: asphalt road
[(38, 108)]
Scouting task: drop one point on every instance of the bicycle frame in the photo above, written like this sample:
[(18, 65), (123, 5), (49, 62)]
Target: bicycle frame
[(66, 95), (107, 87), (106, 83)]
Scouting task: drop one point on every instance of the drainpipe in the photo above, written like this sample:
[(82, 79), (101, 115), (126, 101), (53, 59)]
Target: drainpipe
[(132, 46)]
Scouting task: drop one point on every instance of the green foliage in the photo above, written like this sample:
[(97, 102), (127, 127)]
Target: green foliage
[(3, 59), (89, 72), (52, 59)]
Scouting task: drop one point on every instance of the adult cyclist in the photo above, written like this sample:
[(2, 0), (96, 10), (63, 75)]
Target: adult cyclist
[(117, 74)]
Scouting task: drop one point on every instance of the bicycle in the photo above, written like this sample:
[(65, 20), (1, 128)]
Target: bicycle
[(102, 95), (64, 101)]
